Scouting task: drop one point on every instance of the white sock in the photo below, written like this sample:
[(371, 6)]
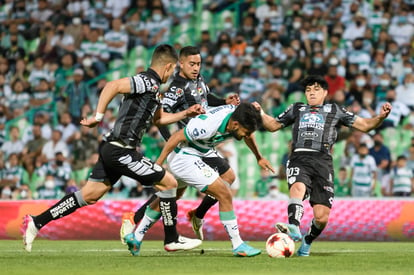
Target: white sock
[(229, 221), (143, 227)]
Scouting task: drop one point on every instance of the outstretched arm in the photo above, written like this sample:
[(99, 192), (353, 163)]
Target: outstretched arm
[(264, 163), (269, 122), (164, 118), (367, 124), (172, 142), (111, 89)]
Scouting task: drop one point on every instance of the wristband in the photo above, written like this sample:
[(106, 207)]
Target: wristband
[(262, 112), (99, 117)]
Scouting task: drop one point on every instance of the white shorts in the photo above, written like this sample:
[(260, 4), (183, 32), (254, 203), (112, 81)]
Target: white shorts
[(191, 170)]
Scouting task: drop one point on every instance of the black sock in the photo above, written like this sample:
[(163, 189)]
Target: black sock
[(207, 202), (295, 213), (67, 205), (313, 233), (139, 214), (168, 207)]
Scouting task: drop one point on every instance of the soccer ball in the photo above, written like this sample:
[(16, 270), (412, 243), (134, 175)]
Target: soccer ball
[(280, 245)]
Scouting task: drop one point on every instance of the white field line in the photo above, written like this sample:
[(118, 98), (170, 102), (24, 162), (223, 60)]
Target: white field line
[(341, 251)]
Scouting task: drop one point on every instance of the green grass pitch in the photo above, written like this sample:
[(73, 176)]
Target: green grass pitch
[(111, 257)]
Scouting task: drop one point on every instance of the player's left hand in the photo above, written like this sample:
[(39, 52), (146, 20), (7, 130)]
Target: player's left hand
[(233, 99), (386, 109), (195, 110), (265, 164), (89, 122)]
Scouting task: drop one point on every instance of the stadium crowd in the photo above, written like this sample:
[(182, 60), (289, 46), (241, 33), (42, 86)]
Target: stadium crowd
[(57, 55)]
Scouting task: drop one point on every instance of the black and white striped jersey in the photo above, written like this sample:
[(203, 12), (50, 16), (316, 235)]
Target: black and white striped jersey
[(315, 127), (183, 93), (137, 109)]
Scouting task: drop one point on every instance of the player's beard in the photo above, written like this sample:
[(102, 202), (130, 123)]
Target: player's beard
[(235, 135)]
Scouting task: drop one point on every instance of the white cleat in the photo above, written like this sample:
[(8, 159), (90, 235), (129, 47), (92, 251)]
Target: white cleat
[(29, 232), (183, 243)]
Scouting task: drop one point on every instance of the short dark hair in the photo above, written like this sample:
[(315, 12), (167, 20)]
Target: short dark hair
[(164, 54), (312, 79), (401, 157), (248, 116), (189, 50)]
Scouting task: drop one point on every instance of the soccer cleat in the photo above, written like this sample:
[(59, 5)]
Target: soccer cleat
[(29, 232), (245, 250), (196, 223), (127, 225), (292, 230), (304, 249), (183, 243), (133, 245)]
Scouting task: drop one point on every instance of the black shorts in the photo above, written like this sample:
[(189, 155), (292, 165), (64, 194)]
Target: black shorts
[(315, 170), (115, 162), (219, 164)]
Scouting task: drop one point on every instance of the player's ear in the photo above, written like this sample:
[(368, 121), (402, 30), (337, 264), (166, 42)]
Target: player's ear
[(236, 125)]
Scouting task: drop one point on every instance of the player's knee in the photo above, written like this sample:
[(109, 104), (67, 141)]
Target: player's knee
[(168, 182), (92, 192), (180, 193), (230, 178), (297, 190), (322, 219)]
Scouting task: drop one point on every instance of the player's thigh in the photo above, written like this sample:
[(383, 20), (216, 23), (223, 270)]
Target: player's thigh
[(192, 171)]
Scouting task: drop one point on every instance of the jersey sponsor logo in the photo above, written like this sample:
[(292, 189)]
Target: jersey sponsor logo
[(167, 101), (146, 81), (196, 132), (309, 135), (171, 95), (328, 188), (165, 208), (311, 120), (63, 207)]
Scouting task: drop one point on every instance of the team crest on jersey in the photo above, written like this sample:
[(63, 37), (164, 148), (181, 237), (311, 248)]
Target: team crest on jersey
[(200, 90), (207, 172), (312, 120), (327, 108), (179, 92)]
